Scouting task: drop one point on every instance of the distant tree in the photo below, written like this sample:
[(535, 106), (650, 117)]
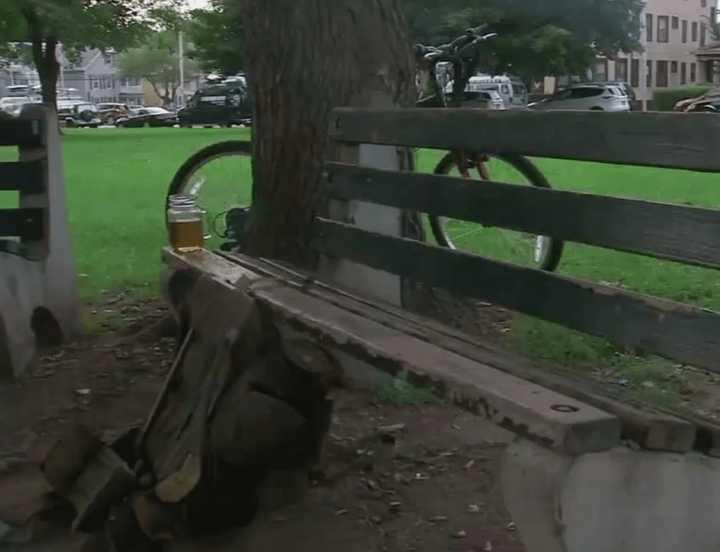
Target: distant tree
[(217, 39), (157, 61), (76, 24), (537, 37)]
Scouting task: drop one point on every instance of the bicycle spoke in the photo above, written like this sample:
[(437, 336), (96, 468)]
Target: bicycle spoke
[(494, 242)]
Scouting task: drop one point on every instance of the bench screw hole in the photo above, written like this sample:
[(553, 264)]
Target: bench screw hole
[(564, 408)]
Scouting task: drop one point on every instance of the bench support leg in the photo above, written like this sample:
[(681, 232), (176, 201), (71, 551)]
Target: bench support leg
[(620, 499)]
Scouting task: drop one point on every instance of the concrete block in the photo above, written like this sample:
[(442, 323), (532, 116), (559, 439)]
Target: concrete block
[(38, 299), (619, 499)]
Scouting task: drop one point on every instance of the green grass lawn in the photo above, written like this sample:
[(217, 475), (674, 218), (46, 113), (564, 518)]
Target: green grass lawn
[(117, 181)]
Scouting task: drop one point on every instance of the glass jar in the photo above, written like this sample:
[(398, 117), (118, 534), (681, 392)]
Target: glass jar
[(185, 224)]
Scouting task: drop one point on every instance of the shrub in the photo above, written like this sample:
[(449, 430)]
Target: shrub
[(666, 99)]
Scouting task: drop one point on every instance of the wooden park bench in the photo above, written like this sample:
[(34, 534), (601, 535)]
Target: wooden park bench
[(38, 301), (589, 471)]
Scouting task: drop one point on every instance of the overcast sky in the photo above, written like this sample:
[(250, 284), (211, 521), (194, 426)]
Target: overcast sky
[(197, 3)]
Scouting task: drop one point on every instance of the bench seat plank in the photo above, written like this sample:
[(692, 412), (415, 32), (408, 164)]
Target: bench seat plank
[(650, 428), (676, 232), (673, 140), (541, 415)]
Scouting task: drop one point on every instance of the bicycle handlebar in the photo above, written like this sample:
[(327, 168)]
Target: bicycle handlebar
[(463, 53)]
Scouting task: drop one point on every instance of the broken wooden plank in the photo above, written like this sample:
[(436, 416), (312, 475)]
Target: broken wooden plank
[(675, 232), (544, 416), (69, 456), (105, 479), (673, 140), (676, 331), (650, 428)]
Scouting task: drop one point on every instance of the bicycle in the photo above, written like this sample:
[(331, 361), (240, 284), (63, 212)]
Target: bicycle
[(463, 54), (223, 163)]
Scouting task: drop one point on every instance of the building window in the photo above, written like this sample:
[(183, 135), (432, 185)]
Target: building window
[(663, 33), (703, 3), (600, 73), (693, 72), (662, 74), (635, 73), (684, 31), (703, 34), (649, 27), (675, 23), (694, 31), (683, 73), (621, 70), (649, 79), (674, 67), (709, 71)]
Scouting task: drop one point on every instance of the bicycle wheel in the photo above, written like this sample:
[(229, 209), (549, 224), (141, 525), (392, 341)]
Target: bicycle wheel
[(520, 248), (219, 178)]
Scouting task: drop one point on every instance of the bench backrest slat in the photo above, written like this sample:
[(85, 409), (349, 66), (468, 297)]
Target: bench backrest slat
[(21, 132), (674, 140), (684, 333), (677, 232), (24, 176)]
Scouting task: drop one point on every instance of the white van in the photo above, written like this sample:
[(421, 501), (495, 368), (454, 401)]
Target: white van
[(512, 90)]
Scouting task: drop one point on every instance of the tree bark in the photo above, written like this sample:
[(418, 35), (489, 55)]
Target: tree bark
[(304, 59), (44, 50)]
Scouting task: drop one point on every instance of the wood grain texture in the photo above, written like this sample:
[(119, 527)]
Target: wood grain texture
[(680, 332), (677, 140), (26, 177), (20, 132), (541, 415), (650, 428), (676, 232), (26, 224)]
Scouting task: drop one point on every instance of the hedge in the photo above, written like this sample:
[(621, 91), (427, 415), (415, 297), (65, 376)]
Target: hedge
[(666, 99)]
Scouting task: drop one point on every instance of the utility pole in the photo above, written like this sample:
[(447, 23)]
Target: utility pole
[(644, 70), (181, 61)]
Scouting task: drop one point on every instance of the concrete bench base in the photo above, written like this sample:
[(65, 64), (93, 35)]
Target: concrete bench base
[(38, 300), (620, 499)]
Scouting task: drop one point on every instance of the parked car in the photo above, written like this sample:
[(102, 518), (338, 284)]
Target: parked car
[(708, 105), (594, 97), (622, 85), (698, 103), (79, 114), (111, 112), (149, 117), (484, 99), (224, 104), (511, 90), (11, 103)]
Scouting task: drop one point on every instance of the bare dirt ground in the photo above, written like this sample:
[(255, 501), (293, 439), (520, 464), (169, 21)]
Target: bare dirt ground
[(396, 477)]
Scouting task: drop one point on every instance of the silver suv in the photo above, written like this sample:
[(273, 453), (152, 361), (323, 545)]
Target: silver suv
[(595, 97)]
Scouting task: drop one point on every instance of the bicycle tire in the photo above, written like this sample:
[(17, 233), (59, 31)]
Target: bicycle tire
[(199, 160), (553, 248)]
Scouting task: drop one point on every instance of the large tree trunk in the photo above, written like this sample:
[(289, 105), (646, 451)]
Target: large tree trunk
[(44, 51), (48, 69), (305, 58)]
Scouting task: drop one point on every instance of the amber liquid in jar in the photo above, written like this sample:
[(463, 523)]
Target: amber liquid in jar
[(186, 236)]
